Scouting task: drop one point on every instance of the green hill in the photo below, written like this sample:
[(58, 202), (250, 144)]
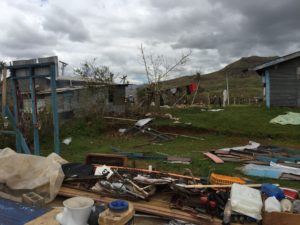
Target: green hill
[(242, 83)]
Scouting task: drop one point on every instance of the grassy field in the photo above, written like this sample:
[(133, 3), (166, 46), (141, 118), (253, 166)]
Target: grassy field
[(247, 121), (232, 127)]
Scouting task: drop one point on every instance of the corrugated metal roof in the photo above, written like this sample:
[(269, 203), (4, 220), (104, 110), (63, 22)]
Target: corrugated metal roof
[(277, 61), (72, 78)]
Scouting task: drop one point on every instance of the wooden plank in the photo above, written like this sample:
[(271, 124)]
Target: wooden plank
[(219, 185), (47, 218), (117, 118), (213, 157), (226, 159), (157, 206), (156, 172)]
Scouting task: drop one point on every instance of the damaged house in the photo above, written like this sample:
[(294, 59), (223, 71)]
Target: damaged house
[(74, 94), (281, 78), (169, 95)]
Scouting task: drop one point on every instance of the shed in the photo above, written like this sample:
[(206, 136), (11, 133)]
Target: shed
[(281, 78)]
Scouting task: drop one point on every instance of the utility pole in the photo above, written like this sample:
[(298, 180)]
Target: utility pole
[(63, 66), (228, 102)]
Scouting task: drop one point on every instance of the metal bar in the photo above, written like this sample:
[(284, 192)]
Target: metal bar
[(4, 91), (30, 76), (10, 132), (34, 116), (268, 97), (54, 109), (15, 119), (20, 140)]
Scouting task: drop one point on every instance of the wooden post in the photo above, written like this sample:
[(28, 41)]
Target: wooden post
[(208, 99), (195, 92), (228, 102), (267, 79), (54, 109)]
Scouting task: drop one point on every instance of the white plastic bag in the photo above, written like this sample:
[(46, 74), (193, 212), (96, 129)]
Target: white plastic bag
[(272, 205), (246, 200)]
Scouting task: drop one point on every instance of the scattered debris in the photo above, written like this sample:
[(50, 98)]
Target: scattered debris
[(143, 122), (178, 222), (165, 106), (170, 117), (275, 171), (179, 160), (105, 159), (137, 155), (289, 118), (67, 141), (118, 118), (122, 130), (251, 145), (246, 200), (147, 180), (213, 157), (42, 175), (215, 178), (104, 170), (185, 136), (215, 110), (141, 126)]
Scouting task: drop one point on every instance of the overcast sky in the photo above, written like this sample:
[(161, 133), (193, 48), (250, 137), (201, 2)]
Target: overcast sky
[(217, 31)]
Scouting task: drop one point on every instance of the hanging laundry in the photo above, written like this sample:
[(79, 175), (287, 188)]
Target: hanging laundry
[(192, 87)]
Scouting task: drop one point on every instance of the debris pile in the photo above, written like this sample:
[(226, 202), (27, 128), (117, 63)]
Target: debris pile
[(290, 118), (219, 197), (262, 161)]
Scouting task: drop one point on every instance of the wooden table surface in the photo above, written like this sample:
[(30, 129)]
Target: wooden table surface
[(46, 219)]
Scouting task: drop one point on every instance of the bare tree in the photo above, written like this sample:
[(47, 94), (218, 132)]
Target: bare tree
[(158, 69)]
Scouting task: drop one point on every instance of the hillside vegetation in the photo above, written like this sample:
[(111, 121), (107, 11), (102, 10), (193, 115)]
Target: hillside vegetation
[(242, 83)]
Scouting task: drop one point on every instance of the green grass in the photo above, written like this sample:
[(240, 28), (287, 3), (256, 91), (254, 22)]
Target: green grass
[(247, 121)]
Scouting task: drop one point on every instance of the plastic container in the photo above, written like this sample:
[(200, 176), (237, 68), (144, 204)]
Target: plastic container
[(272, 205), (286, 205), (246, 200), (296, 206), (119, 212), (227, 213)]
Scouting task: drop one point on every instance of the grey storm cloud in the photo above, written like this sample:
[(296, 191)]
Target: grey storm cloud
[(247, 27), (217, 31), (60, 21)]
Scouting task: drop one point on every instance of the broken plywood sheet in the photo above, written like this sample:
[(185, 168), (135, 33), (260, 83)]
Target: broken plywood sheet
[(213, 157)]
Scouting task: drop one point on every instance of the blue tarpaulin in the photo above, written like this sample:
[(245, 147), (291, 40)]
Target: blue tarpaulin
[(15, 213)]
